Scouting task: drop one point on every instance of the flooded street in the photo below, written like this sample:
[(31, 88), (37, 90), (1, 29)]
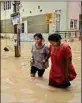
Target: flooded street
[(18, 87)]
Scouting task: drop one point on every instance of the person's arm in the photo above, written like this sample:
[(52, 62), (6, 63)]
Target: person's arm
[(48, 54), (47, 57), (68, 55), (68, 61)]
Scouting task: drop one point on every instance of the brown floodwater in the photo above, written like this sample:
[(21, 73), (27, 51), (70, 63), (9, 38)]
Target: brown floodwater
[(18, 87)]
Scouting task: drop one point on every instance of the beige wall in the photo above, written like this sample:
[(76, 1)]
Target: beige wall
[(34, 24), (6, 26), (37, 24)]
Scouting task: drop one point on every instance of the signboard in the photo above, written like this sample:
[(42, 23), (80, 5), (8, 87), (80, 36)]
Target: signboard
[(15, 18), (50, 18)]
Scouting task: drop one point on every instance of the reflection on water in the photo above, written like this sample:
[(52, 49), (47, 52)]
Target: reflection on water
[(18, 87)]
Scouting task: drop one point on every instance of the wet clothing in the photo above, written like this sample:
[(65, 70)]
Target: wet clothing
[(59, 56), (62, 85), (38, 55), (40, 71)]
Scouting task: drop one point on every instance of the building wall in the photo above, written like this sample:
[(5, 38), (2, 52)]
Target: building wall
[(6, 26), (36, 24), (74, 11), (5, 14), (46, 7)]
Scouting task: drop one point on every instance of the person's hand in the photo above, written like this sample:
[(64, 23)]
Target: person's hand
[(43, 63), (31, 62)]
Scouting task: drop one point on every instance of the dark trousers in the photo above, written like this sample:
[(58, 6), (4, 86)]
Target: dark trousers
[(40, 71)]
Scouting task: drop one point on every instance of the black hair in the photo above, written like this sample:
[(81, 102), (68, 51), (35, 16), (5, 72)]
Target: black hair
[(54, 37), (39, 35)]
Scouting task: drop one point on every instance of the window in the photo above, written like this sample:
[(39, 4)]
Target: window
[(4, 5), (41, 10), (38, 7), (73, 24), (7, 5), (30, 12), (22, 27)]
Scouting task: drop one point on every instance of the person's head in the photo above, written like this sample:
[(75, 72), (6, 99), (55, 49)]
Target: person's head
[(38, 38), (54, 39)]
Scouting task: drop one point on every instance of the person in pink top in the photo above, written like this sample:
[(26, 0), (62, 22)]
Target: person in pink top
[(62, 70)]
